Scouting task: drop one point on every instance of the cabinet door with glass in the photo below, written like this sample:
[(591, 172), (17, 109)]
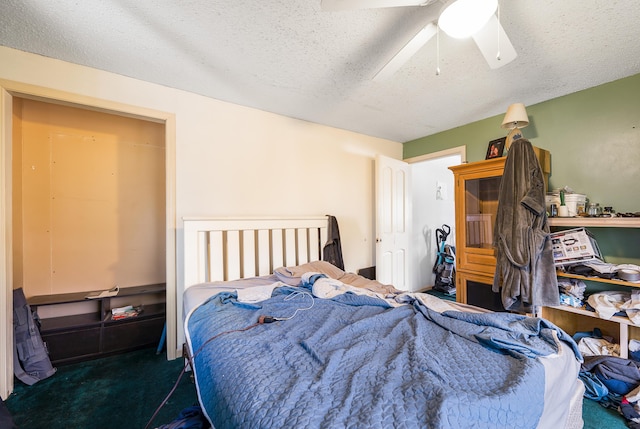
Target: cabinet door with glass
[(476, 197)]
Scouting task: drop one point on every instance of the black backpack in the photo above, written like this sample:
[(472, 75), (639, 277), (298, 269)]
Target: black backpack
[(31, 361)]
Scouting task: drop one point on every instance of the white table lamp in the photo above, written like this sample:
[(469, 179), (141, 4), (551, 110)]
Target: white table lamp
[(515, 118)]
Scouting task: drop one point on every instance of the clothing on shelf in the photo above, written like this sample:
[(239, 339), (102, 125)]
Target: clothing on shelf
[(610, 303), (572, 292)]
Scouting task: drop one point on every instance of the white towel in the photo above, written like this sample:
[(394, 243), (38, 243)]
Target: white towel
[(608, 302), (326, 287), (257, 293), (590, 346)]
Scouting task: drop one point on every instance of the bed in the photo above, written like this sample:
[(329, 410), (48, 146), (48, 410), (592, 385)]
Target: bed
[(309, 345)]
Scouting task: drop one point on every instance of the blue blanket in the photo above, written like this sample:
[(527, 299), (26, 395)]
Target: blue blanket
[(356, 362)]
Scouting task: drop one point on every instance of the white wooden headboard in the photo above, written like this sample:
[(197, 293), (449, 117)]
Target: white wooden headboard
[(230, 249), (235, 248)]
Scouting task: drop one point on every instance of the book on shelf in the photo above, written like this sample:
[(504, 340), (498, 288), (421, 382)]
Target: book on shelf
[(118, 313)]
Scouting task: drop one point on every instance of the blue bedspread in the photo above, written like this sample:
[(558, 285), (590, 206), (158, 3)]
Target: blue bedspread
[(356, 362)]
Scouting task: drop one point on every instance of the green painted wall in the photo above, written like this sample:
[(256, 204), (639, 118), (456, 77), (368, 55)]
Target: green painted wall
[(594, 140), (593, 136)]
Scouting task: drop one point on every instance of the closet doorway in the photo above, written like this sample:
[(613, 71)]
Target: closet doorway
[(433, 204), (100, 202), (88, 200)]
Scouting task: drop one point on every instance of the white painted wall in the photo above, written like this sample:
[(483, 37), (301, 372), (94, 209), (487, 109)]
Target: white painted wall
[(230, 161), (237, 161), (430, 211)]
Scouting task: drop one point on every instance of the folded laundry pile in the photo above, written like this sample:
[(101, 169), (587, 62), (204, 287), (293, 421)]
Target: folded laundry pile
[(572, 292), (609, 379), (616, 303)]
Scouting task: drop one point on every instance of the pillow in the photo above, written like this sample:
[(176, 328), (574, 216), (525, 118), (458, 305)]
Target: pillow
[(293, 275), (363, 282)]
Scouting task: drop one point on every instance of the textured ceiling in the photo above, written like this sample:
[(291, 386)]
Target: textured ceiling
[(292, 58)]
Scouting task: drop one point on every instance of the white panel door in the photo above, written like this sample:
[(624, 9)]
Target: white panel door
[(393, 220)]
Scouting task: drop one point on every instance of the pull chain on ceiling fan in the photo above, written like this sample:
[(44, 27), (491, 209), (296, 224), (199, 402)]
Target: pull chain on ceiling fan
[(498, 15), (456, 16), (438, 52)]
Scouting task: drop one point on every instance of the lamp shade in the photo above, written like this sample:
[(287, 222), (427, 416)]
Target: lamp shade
[(516, 117), (464, 18)]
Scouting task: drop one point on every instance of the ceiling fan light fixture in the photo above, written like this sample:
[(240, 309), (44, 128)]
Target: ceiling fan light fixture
[(464, 18)]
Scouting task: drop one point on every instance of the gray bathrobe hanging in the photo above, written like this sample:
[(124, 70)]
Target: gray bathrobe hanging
[(525, 271)]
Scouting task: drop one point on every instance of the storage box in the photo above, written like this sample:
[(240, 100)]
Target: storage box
[(574, 246)]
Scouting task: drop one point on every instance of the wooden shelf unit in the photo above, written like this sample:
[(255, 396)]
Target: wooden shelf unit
[(73, 338), (598, 279), (573, 319), (599, 222)]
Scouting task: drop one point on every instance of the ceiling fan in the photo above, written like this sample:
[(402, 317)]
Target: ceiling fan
[(457, 18)]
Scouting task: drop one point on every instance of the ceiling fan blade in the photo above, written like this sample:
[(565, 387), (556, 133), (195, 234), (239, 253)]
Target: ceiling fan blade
[(406, 52), (335, 5), (492, 39)]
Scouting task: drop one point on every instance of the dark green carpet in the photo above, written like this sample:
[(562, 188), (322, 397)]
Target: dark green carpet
[(121, 391), (598, 417)]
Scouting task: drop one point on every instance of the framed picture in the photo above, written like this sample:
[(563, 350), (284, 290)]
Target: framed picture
[(496, 148)]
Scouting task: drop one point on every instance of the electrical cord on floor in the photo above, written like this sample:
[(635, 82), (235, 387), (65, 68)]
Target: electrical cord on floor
[(261, 321)]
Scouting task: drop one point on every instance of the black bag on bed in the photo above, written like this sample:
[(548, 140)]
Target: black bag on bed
[(332, 251), (31, 361)]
